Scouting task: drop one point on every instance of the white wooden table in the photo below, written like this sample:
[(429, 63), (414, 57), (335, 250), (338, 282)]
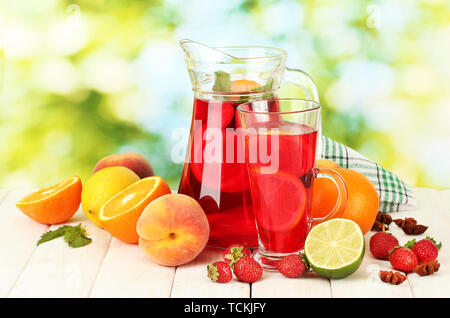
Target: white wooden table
[(110, 268)]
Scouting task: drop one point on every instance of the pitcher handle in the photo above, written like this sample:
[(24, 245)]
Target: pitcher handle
[(304, 81)]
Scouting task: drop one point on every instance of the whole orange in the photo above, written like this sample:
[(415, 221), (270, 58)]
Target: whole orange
[(324, 192), (324, 163), (362, 203)]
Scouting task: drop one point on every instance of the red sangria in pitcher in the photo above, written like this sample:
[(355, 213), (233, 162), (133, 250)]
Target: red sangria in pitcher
[(215, 172)]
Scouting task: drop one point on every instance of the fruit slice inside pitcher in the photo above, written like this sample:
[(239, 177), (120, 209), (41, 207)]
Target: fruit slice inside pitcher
[(210, 163), (217, 113)]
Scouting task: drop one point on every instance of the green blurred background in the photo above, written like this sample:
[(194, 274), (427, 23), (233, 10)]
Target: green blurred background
[(85, 79)]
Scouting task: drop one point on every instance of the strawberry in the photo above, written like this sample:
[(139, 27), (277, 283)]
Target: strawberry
[(403, 259), (426, 250), (247, 270), (293, 265), (234, 252), (381, 243), (220, 272)]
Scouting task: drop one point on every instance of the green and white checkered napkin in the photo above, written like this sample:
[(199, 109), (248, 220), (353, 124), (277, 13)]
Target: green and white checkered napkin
[(395, 195)]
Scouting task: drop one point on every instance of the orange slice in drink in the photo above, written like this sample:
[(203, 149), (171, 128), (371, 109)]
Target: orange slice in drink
[(279, 200), (243, 85), (119, 215), (55, 204)]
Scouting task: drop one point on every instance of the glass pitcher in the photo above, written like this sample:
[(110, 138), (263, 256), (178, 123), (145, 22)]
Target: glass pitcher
[(214, 171)]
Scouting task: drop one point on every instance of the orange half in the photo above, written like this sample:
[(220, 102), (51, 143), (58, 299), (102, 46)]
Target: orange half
[(55, 204), (119, 215)]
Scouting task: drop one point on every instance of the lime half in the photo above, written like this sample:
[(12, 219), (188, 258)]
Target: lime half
[(335, 248)]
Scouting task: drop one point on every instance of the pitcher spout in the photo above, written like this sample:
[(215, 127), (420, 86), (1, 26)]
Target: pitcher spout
[(209, 65), (202, 53)]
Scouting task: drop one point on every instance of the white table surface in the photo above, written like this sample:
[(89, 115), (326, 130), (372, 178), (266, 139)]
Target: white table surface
[(110, 268)]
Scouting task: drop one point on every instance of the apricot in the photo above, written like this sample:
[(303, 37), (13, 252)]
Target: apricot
[(173, 229), (131, 160)]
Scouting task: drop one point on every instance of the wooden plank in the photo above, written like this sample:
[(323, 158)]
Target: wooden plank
[(18, 237), (191, 280), (128, 272), (435, 214), (3, 193), (57, 270), (275, 285), (444, 197)]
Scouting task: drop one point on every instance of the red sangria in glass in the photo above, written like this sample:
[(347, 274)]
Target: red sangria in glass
[(280, 150)]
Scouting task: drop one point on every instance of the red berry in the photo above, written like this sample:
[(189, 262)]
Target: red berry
[(234, 252), (292, 266), (403, 259), (426, 250), (220, 272), (381, 243), (247, 270)]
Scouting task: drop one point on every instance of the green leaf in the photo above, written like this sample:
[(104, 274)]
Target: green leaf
[(235, 255), (50, 235), (410, 243), (305, 261), (74, 236), (438, 245), (212, 272), (222, 81), (265, 87), (395, 247)]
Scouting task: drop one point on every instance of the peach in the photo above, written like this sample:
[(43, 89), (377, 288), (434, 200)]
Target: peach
[(173, 229), (131, 160)]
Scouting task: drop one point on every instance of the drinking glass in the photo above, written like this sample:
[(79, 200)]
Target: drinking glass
[(280, 150)]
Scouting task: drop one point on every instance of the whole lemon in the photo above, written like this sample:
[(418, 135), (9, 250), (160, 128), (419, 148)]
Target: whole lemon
[(101, 186)]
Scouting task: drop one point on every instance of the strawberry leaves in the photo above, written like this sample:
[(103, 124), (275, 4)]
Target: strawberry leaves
[(438, 245), (305, 261), (410, 243), (235, 255), (213, 273)]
